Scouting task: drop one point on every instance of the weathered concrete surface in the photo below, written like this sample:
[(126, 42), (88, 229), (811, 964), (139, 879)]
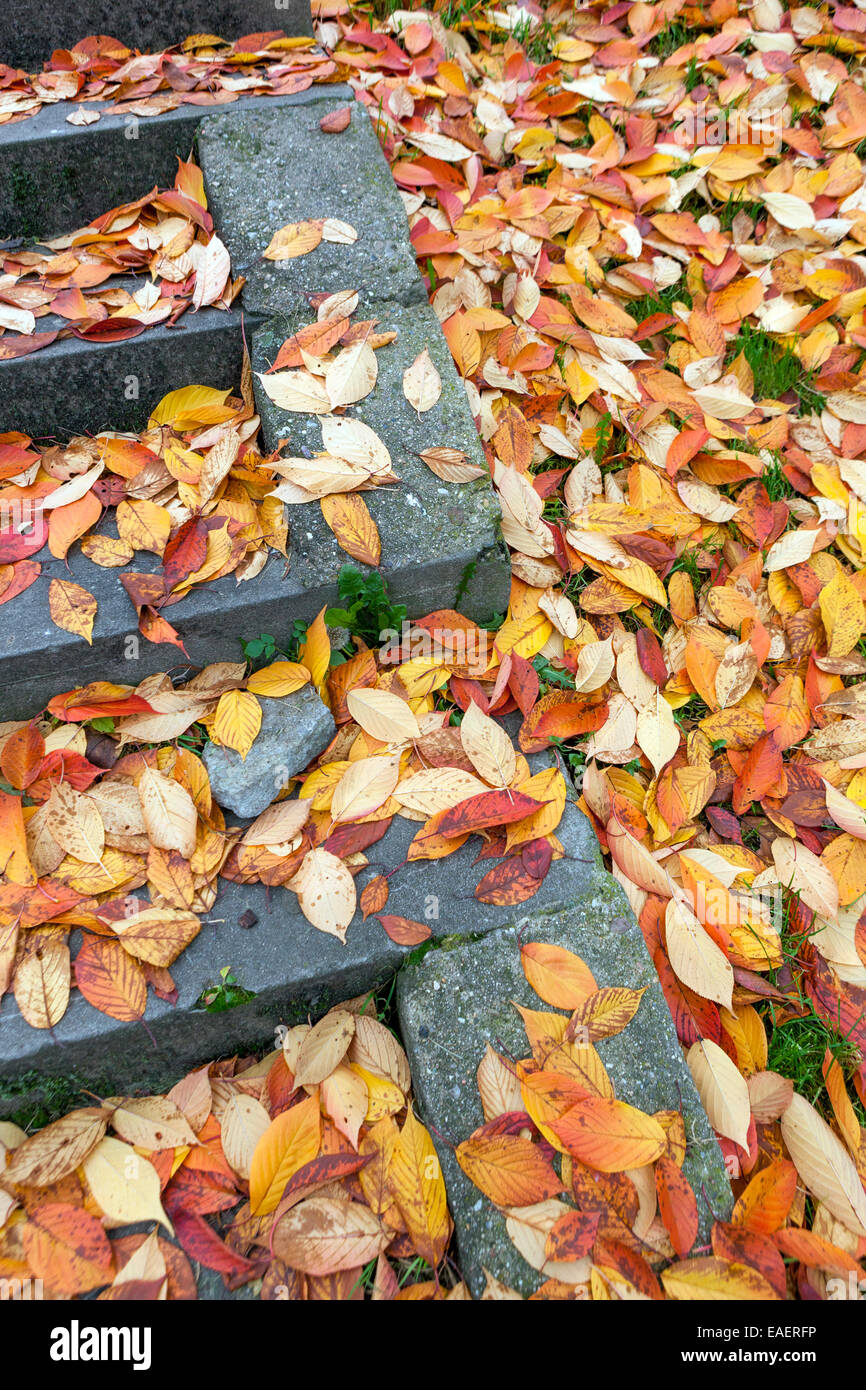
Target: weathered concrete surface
[(290, 966), (30, 32), (77, 387), (431, 531), (55, 176), (295, 729), (264, 169), (453, 1002)]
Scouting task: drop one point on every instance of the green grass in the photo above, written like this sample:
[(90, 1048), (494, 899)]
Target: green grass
[(674, 35), (689, 713), (693, 77), (797, 1046), (775, 371), (688, 564), (774, 480), (727, 214), (796, 1050), (660, 303)]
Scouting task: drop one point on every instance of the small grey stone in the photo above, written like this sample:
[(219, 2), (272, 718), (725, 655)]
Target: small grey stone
[(295, 729)]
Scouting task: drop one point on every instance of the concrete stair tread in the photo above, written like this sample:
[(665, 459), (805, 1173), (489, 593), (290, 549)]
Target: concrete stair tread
[(74, 386), (55, 177), (256, 183)]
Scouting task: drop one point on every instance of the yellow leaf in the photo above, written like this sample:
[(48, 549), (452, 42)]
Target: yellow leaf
[(707, 1278), (290, 1141), (295, 239), (124, 1184), (382, 715), (280, 678), (315, 653), (842, 613), (237, 720), (72, 608), (349, 518), (190, 402), (143, 525), (415, 1177)]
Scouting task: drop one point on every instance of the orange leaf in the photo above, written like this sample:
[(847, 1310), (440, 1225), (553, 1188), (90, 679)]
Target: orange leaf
[(110, 979), (610, 1135), (67, 1248), (764, 1205), (511, 1171), (558, 976), (677, 1205)]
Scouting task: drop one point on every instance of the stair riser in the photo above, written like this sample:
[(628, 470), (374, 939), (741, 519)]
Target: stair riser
[(37, 660), (55, 177), (77, 387), (30, 32)]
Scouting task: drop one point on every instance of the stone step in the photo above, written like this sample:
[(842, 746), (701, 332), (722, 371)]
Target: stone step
[(291, 968), (452, 1003), (437, 539), (55, 177), (30, 32)]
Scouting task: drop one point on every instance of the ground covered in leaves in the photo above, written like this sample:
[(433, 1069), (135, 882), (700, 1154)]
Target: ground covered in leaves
[(642, 230)]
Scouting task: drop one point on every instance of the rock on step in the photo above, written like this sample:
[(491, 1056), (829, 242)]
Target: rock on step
[(295, 729), (30, 32)]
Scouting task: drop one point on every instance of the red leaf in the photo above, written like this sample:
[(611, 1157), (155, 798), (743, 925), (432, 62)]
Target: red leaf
[(17, 545), (649, 654), (62, 765), (523, 683), (109, 330), (26, 572), (185, 552), (487, 808), (560, 714), (133, 1291), (537, 856), (202, 1243), (352, 839), (509, 882), (335, 121)]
